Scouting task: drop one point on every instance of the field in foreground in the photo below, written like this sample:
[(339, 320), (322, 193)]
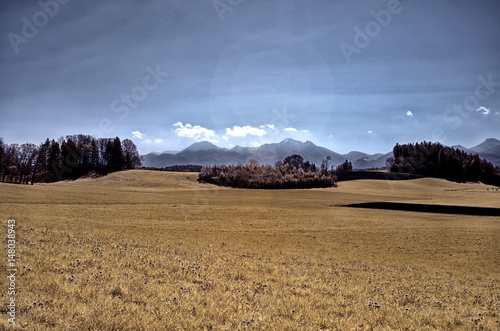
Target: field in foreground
[(152, 250)]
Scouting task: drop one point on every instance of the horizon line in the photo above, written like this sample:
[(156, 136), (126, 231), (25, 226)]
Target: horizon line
[(303, 142)]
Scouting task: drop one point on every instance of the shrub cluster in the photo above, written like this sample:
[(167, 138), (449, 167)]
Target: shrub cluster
[(288, 174)]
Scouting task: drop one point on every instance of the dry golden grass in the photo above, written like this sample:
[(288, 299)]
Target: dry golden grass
[(154, 250)]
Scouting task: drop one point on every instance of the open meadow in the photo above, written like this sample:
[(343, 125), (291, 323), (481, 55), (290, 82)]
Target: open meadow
[(159, 251)]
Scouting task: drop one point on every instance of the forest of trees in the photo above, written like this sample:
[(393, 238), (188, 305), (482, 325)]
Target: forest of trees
[(177, 168), (344, 167), (66, 158), (435, 160), (290, 173)]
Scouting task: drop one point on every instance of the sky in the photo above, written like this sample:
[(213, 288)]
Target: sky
[(344, 74)]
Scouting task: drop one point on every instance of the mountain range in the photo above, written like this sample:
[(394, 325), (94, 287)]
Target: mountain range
[(205, 153), (488, 149)]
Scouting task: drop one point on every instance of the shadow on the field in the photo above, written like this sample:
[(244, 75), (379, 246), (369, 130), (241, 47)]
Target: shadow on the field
[(423, 208), (377, 175)]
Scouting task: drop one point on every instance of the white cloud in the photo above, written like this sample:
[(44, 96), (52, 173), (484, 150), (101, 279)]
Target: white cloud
[(497, 113), (270, 126), (225, 138), (147, 141), (291, 129), (485, 111), (370, 131), (255, 144), (137, 134), (330, 136), (304, 131), (409, 114), (196, 132), (158, 141), (238, 131)]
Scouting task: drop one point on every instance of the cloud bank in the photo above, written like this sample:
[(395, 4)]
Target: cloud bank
[(238, 131), (196, 132)]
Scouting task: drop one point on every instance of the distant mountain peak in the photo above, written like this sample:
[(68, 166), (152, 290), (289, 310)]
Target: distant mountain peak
[(291, 141), (200, 146), (485, 146)]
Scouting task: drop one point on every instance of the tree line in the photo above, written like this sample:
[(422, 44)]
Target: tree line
[(177, 168), (290, 173), (67, 158), (435, 160)]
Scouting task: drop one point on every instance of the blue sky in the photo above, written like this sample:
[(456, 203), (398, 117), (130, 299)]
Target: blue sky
[(347, 75)]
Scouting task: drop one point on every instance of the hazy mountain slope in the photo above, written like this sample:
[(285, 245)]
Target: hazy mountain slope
[(488, 149), (270, 153), (367, 162), (486, 146), (355, 155), (201, 146), (204, 153), (462, 148)]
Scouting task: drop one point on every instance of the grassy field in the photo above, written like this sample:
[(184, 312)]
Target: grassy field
[(155, 250)]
